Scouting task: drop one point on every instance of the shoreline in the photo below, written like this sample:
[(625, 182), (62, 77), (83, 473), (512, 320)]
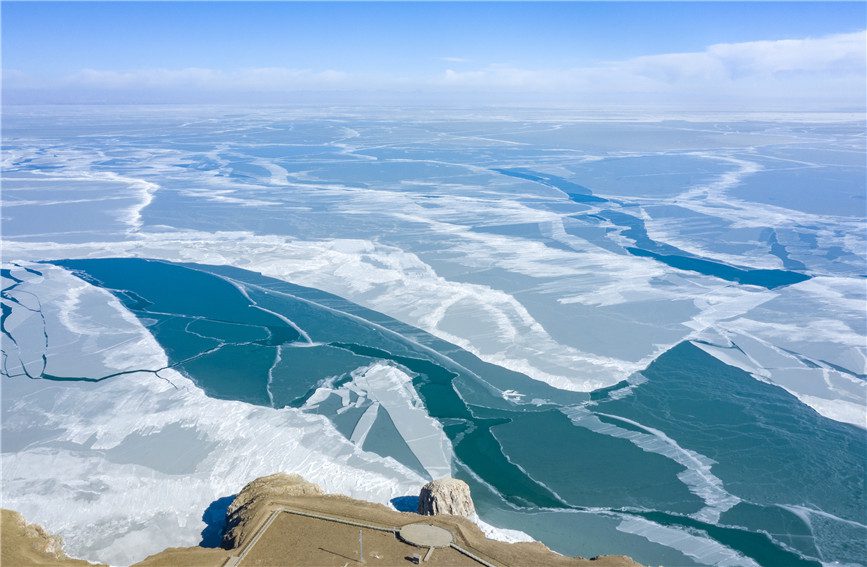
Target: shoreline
[(277, 520)]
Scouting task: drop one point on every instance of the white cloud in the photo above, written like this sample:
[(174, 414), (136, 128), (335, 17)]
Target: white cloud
[(843, 51), (830, 70), (840, 54)]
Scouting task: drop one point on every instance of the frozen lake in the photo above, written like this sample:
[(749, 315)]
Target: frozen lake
[(641, 337)]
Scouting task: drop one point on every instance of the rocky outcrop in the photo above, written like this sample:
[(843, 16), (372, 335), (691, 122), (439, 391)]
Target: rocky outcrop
[(446, 496), (29, 544), (250, 504)]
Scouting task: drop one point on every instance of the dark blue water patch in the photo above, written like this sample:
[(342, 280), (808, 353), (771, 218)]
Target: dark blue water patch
[(769, 279), (215, 522), (7, 273), (577, 193), (582, 198), (55, 378), (5, 312), (5, 308), (30, 270), (6, 301), (635, 230)]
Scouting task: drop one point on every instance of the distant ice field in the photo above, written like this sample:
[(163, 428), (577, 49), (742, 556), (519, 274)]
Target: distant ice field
[(648, 332)]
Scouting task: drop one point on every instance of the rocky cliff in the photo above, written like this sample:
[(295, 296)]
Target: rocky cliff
[(250, 505), (28, 544)]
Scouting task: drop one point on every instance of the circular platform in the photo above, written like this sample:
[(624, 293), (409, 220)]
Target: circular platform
[(425, 535)]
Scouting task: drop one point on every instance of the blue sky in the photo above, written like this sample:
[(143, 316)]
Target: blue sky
[(564, 53)]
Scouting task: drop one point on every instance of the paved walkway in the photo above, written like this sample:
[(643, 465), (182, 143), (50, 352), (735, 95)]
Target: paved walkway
[(425, 535)]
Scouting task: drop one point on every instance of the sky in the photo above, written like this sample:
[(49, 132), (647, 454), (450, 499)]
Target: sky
[(706, 55)]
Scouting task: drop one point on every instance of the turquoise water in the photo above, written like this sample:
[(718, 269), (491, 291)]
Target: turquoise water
[(520, 458), (770, 449)]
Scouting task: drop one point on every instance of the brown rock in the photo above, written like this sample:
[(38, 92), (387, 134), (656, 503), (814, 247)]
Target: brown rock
[(29, 544), (259, 494), (446, 496)]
